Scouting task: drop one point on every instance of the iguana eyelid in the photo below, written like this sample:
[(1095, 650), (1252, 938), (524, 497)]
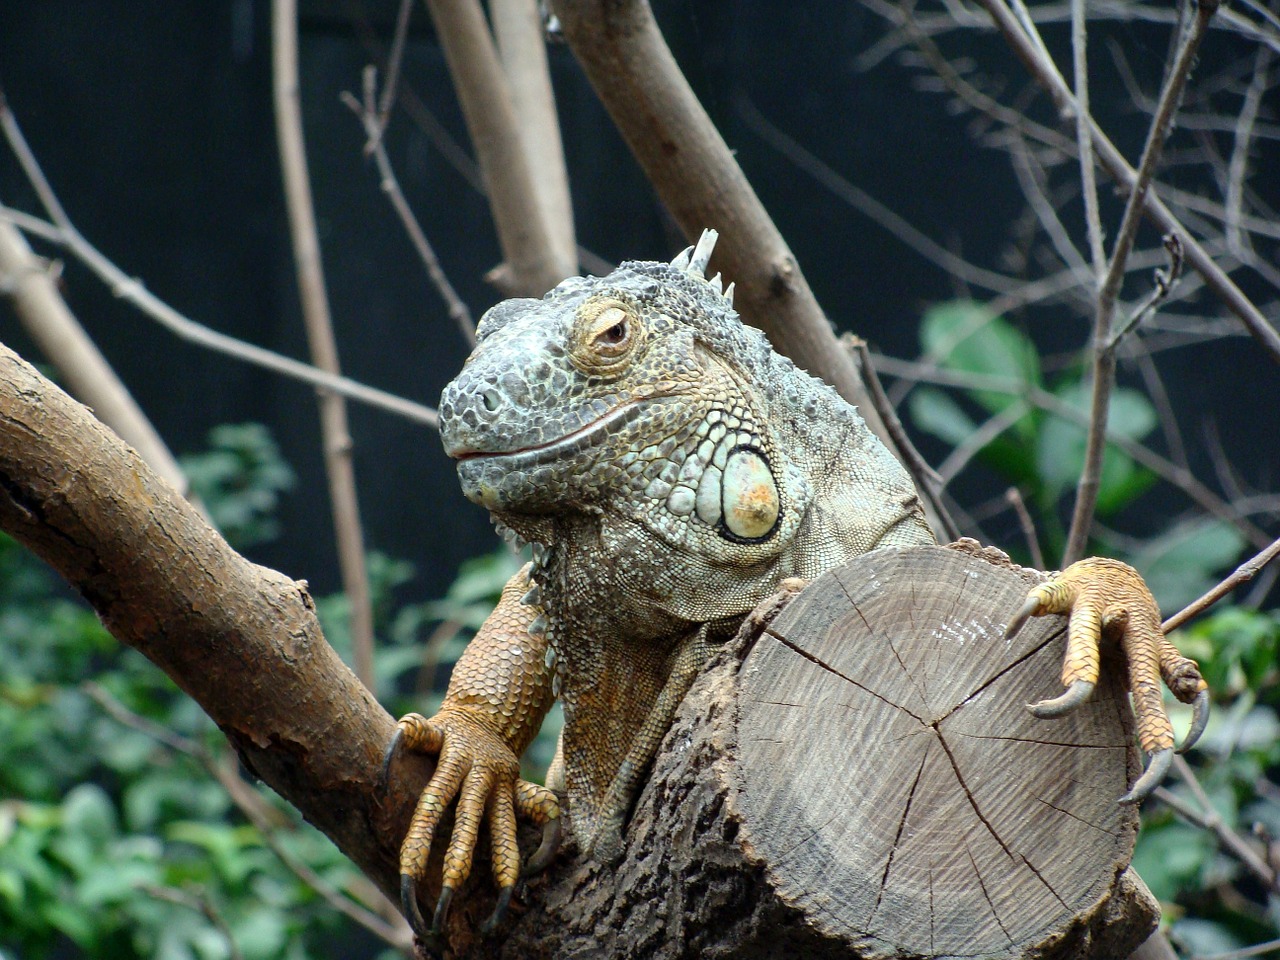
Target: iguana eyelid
[(606, 334)]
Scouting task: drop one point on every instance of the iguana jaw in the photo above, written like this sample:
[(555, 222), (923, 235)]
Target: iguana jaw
[(571, 443), (535, 479)]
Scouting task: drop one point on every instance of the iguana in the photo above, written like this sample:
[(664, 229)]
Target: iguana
[(670, 470)]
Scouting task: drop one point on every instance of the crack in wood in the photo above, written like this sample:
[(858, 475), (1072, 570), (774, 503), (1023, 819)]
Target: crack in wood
[(902, 823), (817, 661), (995, 914), (1045, 743), (1088, 823), (924, 701)]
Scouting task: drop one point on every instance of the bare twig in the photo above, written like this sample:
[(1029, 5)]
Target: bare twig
[(49, 322), (1084, 142), (200, 903), (1028, 527), (1242, 575), (132, 291), (866, 204), (965, 451), (1244, 129), (1164, 282), (1104, 359), (458, 311), (925, 477), (324, 348), (1174, 474), (394, 59), (1207, 817)]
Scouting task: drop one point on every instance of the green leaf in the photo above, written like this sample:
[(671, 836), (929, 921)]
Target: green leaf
[(1060, 447), (935, 412), (966, 337)]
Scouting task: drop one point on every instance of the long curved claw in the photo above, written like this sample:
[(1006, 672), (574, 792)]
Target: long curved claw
[(551, 832), (1151, 778), (1028, 609), (1199, 720), (442, 910), (384, 778), (409, 906), (499, 911), (1077, 693)]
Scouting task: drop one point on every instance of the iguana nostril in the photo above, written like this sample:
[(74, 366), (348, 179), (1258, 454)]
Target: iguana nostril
[(491, 399)]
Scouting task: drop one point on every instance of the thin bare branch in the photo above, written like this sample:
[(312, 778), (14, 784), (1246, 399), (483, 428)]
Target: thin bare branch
[(1028, 527), (868, 205), (458, 311), (134, 292), (320, 338), (1084, 142), (1242, 575), (925, 477), (1104, 361), (394, 60), (29, 283)]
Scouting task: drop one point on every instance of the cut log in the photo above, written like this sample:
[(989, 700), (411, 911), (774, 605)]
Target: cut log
[(861, 779)]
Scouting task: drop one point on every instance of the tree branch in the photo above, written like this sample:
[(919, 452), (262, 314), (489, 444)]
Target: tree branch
[(1104, 343), (134, 292), (241, 640), (319, 325), (526, 237)]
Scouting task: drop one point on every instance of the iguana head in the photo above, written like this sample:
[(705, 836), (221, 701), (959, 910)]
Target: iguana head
[(636, 393)]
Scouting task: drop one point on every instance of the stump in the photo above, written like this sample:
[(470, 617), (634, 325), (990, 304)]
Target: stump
[(861, 780)]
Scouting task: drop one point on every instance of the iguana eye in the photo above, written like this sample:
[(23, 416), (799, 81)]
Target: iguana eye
[(605, 334), (615, 336)]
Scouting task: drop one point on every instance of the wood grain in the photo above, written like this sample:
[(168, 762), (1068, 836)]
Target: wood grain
[(895, 786)]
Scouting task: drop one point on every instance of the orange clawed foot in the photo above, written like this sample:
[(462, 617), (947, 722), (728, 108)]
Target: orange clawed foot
[(478, 769), (1107, 596)]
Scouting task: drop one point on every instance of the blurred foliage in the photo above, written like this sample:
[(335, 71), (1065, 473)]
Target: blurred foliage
[(1212, 903)]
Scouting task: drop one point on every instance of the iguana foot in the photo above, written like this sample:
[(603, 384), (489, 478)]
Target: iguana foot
[(482, 773), (1109, 597)]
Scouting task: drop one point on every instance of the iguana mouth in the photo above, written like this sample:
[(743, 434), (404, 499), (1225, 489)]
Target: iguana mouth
[(573, 442)]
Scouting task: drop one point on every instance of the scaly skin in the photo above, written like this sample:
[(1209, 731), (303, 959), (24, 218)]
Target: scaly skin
[(671, 471)]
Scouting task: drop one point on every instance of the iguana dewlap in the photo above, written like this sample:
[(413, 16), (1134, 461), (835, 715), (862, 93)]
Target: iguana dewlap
[(670, 470)]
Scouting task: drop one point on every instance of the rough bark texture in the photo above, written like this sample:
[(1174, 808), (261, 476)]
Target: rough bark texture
[(699, 877), (862, 789)]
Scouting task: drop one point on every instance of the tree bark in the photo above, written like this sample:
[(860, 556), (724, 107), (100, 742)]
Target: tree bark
[(809, 800)]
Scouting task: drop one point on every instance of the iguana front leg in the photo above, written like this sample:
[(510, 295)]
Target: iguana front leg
[(1109, 597), (500, 691)]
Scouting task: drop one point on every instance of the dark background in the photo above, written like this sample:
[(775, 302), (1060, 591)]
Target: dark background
[(154, 125)]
